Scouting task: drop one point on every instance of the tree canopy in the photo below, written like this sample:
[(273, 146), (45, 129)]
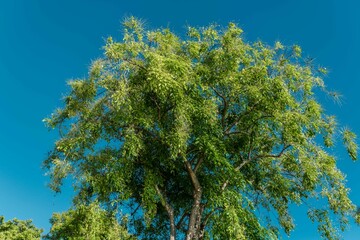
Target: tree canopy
[(202, 137), (18, 230)]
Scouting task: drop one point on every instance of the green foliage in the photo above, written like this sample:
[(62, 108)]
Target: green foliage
[(18, 230), (86, 222), (193, 135)]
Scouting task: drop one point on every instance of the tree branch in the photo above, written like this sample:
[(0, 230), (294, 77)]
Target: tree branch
[(246, 112), (134, 63), (158, 108), (198, 164), (195, 210), (225, 107), (250, 159), (272, 155), (170, 212), (234, 132), (204, 222), (133, 213), (185, 214)]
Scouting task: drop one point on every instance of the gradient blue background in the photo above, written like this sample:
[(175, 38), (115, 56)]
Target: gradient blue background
[(44, 43)]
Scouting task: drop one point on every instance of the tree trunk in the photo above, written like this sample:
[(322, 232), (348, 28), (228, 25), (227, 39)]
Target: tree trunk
[(172, 226), (170, 212), (193, 227), (192, 232)]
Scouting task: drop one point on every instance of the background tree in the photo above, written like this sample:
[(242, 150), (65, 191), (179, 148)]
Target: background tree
[(88, 222), (191, 136), (18, 230)]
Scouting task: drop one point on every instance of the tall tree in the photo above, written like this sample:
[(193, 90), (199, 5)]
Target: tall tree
[(191, 136), (19, 230)]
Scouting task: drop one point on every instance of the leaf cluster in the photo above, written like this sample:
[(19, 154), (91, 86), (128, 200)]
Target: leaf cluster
[(86, 222), (18, 230)]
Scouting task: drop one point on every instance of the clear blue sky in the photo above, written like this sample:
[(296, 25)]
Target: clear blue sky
[(45, 43)]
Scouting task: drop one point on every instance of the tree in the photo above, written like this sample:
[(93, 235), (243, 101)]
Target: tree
[(88, 222), (191, 136), (18, 230)]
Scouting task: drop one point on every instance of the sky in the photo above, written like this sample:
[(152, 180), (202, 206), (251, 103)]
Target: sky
[(45, 43)]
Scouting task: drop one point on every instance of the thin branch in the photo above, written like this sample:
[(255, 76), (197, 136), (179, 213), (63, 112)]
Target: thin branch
[(192, 158), (133, 213), (227, 130), (100, 93), (198, 164), (249, 159), (234, 132), (272, 155), (134, 63), (158, 108), (204, 222), (185, 214), (225, 107)]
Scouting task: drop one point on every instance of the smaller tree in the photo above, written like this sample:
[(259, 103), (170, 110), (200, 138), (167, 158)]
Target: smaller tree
[(18, 230), (88, 222)]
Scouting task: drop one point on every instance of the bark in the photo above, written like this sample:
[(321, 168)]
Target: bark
[(170, 211), (199, 222), (193, 228)]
